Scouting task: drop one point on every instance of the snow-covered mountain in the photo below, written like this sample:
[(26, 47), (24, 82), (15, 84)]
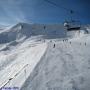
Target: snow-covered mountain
[(27, 30), (44, 57)]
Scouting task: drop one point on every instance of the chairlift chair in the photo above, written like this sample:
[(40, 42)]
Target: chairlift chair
[(72, 25)]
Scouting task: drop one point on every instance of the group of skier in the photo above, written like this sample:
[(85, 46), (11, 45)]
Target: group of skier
[(69, 42)]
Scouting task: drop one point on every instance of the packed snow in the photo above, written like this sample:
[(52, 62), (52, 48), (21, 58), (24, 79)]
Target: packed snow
[(44, 57)]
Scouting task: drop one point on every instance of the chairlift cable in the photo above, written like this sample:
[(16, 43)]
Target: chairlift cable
[(54, 4), (67, 9)]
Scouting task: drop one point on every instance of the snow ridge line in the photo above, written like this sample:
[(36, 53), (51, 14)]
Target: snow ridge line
[(33, 74)]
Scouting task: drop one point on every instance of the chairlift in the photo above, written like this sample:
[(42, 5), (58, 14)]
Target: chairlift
[(72, 25)]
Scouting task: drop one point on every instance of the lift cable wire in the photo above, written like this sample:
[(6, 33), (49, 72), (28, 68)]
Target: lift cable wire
[(50, 2), (67, 9)]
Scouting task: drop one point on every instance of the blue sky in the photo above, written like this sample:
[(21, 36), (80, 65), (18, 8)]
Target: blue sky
[(39, 11)]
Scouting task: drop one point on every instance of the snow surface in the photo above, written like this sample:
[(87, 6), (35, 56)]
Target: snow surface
[(18, 59), (65, 67), (29, 60)]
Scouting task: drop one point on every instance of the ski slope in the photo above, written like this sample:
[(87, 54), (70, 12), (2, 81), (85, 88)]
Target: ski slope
[(19, 62), (29, 60), (65, 67)]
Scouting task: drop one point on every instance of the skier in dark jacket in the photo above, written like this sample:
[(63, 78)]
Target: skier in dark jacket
[(54, 46), (70, 42)]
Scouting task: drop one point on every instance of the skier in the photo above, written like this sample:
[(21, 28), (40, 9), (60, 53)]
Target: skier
[(70, 42), (54, 46)]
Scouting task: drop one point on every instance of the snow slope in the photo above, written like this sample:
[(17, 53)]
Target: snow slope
[(16, 61), (65, 67), (28, 59)]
